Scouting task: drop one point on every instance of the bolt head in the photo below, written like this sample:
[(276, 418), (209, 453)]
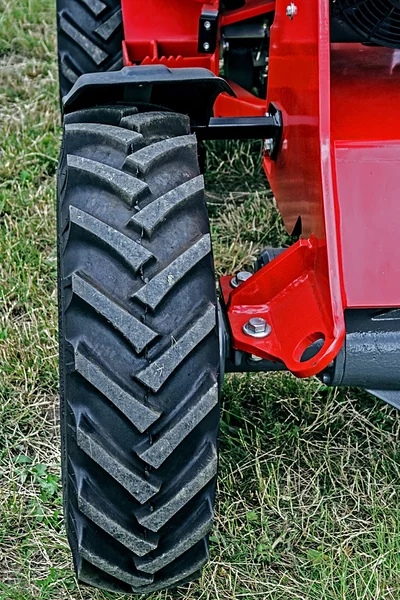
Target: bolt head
[(269, 145), (255, 358), (240, 277), (206, 46), (207, 25), (257, 327), (291, 10)]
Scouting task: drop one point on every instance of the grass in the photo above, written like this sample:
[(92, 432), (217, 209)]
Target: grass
[(308, 496)]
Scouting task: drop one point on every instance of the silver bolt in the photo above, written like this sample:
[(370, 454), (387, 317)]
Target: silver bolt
[(206, 46), (291, 10), (269, 145), (207, 25), (240, 278), (255, 358), (257, 328), (225, 46)]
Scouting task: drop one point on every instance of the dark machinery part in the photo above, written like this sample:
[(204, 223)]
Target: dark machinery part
[(246, 52), (242, 128), (188, 91), (368, 21), (370, 357), (265, 257), (208, 31), (233, 4)]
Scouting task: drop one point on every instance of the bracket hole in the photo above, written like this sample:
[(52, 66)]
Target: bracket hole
[(309, 347)]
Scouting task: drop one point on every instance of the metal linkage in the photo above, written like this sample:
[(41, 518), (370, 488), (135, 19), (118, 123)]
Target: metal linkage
[(243, 128)]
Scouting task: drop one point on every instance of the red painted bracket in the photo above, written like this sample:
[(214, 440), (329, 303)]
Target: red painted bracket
[(292, 295)]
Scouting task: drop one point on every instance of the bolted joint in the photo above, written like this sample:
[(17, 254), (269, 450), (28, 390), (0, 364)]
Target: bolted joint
[(240, 278), (269, 145), (291, 10), (257, 327)]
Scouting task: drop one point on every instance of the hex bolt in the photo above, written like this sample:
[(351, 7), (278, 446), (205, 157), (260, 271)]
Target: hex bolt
[(240, 277), (255, 358), (257, 327), (269, 145), (207, 25), (206, 46), (291, 10)]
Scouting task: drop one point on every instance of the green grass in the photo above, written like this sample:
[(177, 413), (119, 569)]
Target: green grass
[(308, 495)]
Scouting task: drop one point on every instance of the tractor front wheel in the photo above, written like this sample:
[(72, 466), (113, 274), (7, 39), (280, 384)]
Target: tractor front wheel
[(139, 356)]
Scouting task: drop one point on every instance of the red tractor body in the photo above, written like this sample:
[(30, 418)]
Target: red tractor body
[(336, 175)]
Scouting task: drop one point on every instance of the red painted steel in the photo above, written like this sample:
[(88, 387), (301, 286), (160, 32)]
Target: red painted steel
[(170, 26), (252, 8), (365, 92), (292, 297), (302, 181), (337, 169)]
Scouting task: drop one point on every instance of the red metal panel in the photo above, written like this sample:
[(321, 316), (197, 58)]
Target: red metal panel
[(244, 104), (172, 27), (294, 85), (252, 8), (302, 180), (368, 182), (365, 104)]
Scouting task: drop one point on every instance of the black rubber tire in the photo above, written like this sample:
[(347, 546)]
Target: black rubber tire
[(139, 356), (90, 35)]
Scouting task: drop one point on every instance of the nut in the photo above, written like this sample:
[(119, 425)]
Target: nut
[(291, 10), (257, 327), (239, 278)]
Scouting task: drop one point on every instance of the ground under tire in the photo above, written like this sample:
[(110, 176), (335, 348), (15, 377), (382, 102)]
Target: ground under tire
[(90, 35), (139, 358)]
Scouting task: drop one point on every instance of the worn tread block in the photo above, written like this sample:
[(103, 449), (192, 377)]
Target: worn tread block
[(141, 488), (158, 287), (109, 567), (95, 6), (157, 373), (121, 184), (136, 332), (147, 158), (193, 531), (109, 27), (155, 517), (133, 253), (156, 126), (137, 544), (141, 416), (170, 439), (155, 213), (100, 134), (183, 576), (95, 52)]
